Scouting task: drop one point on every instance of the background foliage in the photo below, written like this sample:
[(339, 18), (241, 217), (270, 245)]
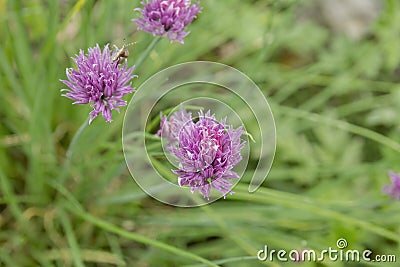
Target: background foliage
[(335, 102)]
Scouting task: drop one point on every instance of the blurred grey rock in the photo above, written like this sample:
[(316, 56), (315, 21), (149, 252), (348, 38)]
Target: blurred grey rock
[(353, 18)]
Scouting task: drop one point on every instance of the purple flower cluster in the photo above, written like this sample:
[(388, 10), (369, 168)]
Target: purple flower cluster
[(207, 150), (394, 189), (99, 80), (167, 17)]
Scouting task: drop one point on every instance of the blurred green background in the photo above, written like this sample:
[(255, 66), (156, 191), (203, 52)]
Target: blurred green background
[(333, 86)]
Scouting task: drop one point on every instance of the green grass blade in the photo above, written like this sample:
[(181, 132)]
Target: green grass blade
[(139, 238)]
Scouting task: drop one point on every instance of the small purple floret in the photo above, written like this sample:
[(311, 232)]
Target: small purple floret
[(207, 150), (167, 17), (99, 80), (393, 189)]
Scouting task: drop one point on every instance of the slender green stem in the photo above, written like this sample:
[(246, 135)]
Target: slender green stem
[(65, 193), (139, 238), (70, 151), (237, 237), (209, 211), (7, 190), (81, 129), (146, 53), (344, 125), (74, 140), (364, 104), (9, 196), (51, 40), (73, 243), (309, 205)]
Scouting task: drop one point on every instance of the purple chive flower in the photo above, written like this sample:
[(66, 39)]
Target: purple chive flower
[(393, 189), (171, 128), (99, 80), (167, 17), (207, 151)]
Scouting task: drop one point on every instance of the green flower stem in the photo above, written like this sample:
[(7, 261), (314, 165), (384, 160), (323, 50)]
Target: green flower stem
[(74, 140), (71, 238), (226, 229), (340, 124), (71, 150), (138, 238), (146, 53), (238, 237), (288, 200), (9, 196), (72, 145)]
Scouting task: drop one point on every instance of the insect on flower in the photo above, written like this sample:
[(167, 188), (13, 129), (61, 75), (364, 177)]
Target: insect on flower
[(99, 81), (121, 54)]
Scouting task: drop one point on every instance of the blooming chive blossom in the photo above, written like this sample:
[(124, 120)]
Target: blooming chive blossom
[(99, 80), (206, 150), (170, 128), (167, 17), (394, 189)]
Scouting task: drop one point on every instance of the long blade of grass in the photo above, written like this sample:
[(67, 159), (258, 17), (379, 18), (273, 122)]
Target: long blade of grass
[(293, 201), (138, 238), (50, 41), (9, 196), (75, 250), (343, 125)]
